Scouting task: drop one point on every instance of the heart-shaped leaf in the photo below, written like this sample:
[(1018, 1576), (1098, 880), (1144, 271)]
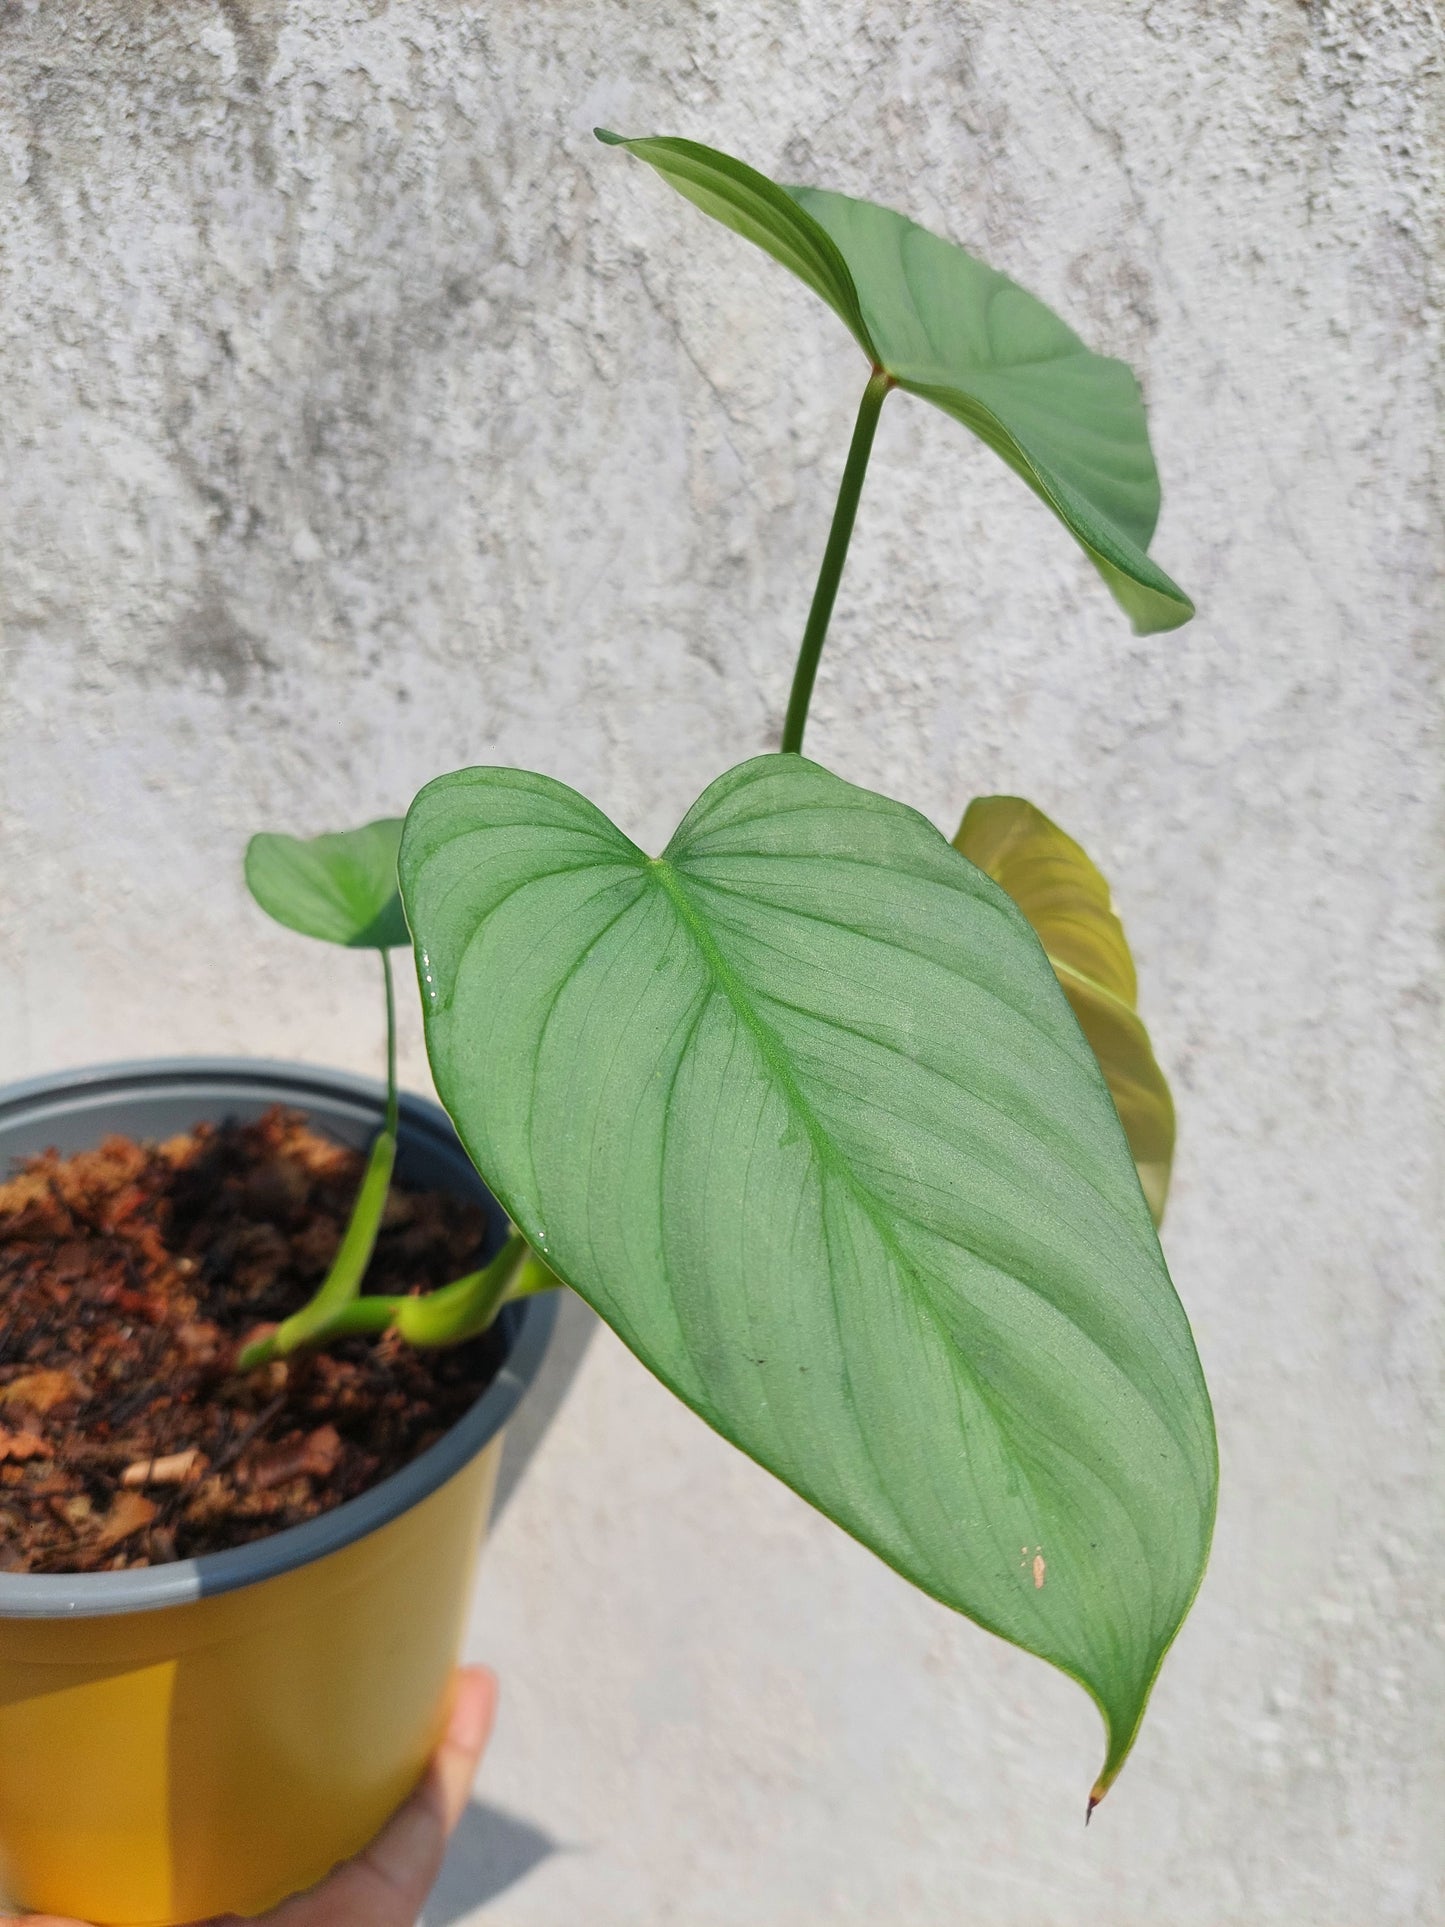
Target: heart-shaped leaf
[(1067, 901), (800, 1108), (971, 341), (341, 887)]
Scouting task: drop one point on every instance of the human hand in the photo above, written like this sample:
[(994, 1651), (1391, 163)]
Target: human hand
[(386, 1885)]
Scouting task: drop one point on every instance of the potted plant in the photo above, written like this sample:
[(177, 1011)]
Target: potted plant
[(853, 1135), (185, 1733)]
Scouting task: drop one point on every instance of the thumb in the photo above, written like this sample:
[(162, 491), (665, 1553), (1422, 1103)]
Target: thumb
[(386, 1885), (407, 1854), (397, 1871)]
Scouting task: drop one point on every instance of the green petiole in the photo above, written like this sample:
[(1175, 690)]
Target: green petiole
[(444, 1317), (464, 1308), (342, 1283), (830, 573)]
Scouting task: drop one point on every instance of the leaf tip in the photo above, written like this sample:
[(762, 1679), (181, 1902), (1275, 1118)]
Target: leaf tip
[(608, 138), (1178, 610)]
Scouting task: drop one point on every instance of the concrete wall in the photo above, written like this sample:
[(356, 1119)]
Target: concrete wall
[(363, 418)]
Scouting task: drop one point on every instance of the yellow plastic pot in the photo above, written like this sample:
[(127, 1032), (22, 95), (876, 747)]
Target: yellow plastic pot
[(211, 1736)]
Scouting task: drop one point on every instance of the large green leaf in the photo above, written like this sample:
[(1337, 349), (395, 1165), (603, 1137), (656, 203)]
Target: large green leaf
[(340, 887), (971, 341), (1066, 899), (800, 1108)]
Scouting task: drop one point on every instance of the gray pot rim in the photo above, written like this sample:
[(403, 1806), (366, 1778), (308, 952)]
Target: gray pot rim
[(526, 1325)]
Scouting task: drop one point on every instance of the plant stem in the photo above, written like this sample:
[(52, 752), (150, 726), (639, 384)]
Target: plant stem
[(342, 1284), (465, 1307), (834, 556), (391, 1092), (443, 1317)]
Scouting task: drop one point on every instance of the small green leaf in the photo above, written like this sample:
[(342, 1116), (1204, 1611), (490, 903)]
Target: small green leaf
[(341, 887), (800, 1109), (1067, 901), (972, 342)]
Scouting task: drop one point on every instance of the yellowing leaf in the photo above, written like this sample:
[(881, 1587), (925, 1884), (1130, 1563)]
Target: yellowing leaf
[(1067, 901)]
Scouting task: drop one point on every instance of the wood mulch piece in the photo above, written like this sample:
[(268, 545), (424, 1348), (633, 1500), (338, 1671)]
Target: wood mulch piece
[(130, 1276)]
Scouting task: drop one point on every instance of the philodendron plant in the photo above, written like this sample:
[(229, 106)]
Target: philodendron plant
[(342, 889), (853, 1135)]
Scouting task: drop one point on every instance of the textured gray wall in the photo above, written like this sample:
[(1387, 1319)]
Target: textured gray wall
[(362, 418)]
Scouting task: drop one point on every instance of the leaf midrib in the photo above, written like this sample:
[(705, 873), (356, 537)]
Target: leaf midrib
[(730, 984), (1093, 985), (728, 980)]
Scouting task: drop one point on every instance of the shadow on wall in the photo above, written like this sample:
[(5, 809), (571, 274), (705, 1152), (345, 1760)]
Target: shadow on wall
[(490, 1851), (575, 1325)]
